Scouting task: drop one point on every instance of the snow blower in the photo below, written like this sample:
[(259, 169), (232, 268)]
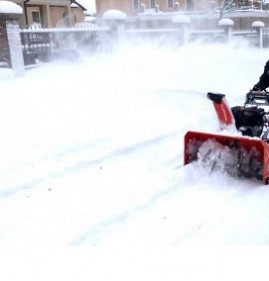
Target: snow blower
[(245, 154)]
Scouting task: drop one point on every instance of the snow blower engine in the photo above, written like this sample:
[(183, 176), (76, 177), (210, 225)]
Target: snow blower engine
[(252, 118), (244, 155)]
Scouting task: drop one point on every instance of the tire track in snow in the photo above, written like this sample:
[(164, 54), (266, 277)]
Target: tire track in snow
[(96, 231), (5, 193), (62, 155), (48, 160), (51, 156), (191, 191)]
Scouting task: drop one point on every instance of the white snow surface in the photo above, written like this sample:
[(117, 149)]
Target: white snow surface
[(114, 14), (226, 22), (181, 19), (92, 159), (8, 7)]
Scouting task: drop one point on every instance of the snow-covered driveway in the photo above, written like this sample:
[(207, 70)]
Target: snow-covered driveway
[(91, 152)]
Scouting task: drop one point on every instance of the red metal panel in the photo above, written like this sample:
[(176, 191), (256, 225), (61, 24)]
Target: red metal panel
[(224, 113), (231, 141)]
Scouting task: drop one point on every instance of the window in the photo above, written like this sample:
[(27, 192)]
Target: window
[(65, 18), (190, 5), (136, 4), (65, 15), (170, 3), (152, 3), (36, 17)]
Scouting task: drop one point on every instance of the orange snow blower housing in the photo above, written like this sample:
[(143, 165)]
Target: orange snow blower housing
[(244, 155)]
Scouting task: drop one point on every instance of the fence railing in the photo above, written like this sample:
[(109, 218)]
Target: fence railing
[(42, 45), (46, 44), (4, 49)]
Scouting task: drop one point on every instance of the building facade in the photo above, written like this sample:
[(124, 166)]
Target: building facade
[(133, 7), (203, 13), (51, 13)]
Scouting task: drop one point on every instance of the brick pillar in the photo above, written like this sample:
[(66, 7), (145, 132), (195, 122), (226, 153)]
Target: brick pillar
[(258, 26), (69, 15), (47, 18), (11, 33), (227, 25), (15, 48), (115, 19), (182, 23)]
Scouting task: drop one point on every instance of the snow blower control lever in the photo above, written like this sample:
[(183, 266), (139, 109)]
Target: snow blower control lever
[(257, 98)]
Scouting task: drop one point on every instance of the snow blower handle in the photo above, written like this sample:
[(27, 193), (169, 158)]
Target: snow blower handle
[(257, 98)]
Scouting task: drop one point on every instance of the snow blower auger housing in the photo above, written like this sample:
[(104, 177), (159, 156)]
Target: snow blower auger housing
[(244, 155)]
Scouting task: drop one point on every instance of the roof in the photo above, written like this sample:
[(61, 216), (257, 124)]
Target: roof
[(88, 5), (75, 3)]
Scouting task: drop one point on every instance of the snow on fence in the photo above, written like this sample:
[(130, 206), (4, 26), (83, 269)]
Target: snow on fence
[(30, 46), (45, 44)]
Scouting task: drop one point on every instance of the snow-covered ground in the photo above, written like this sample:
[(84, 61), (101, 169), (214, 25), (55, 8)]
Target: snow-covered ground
[(92, 154)]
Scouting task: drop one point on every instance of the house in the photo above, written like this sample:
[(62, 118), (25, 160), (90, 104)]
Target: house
[(51, 13), (133, 7), (203, 13)]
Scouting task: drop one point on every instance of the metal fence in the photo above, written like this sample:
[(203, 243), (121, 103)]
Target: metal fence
[(4, 53), (177, 36), (47, 44), (42, 45)]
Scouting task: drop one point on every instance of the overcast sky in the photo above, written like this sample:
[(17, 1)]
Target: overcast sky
[(89, 4)]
